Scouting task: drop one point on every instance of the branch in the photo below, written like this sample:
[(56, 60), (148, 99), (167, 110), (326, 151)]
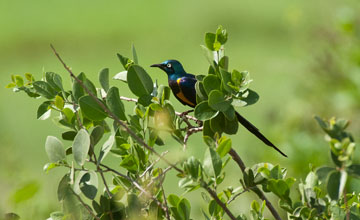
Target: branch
[(139, 140), (85, 205), (255, 189), (218, 201), (166, 205), (151, 165), (190, 132)]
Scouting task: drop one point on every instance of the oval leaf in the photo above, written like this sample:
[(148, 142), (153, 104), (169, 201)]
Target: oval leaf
[(114, 103), (204, 112), (91, 109), (54, 149), (212, 162), (44, 89), (218, 102), (140, 83), (81, 146), (104, 78)]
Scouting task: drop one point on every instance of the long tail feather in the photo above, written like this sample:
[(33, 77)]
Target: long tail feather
[(250, 127)]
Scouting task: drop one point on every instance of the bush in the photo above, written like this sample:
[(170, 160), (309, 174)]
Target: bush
[(92, 115)]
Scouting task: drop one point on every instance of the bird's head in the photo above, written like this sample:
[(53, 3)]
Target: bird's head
[(171, 67)]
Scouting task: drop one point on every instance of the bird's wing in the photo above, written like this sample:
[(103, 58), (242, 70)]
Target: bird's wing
[(187, 90)]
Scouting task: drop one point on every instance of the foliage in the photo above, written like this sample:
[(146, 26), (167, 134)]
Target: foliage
[(97, 115)]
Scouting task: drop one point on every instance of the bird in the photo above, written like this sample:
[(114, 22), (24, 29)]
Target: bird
[(182, 85)]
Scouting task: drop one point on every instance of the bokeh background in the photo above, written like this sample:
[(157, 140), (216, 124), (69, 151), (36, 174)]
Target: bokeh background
[(304, 58)]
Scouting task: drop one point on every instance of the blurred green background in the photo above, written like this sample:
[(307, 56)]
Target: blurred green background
[(303, 57)]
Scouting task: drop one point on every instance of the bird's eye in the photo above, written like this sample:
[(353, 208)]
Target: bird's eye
[(168, 65)]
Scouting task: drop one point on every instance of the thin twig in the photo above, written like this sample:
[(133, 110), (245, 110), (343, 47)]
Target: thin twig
[(85, 205), (158, 177), (166, 205), (235, 196), (151, 165), (255, 189), (139, 140), (190, 132), (218, 201)]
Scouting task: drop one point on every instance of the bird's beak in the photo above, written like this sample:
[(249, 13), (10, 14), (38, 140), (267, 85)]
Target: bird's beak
[(158, 65)]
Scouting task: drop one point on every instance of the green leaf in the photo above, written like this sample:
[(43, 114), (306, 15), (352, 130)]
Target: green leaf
[(145, 100), (225, 79), (115, 104), (126, 62), (311, 180), (211, 82), (200, 92), (44, 110), (78, 90), (59, 102), (140, 83), (217, 124), (87, 183), (135, 57), (173, 200), (96, 134), (69, 135), (184, 209), (230, 113), (224, 146), (91, 109), (212, 162), (44, 89), (210, 40), (19, 81), (193, 167), (250, 97), (106, 148), (236, 77), (49, 166), (81, 146), (217, 101), (224, 63), (163, 93), (10, 85), (54, 80), (54, 149), (354, 170), (280, 188), (26, 192), (63, 187), (29, 77), (104, 78), (333, 185), (130, 162), (215, 209), (204, 112), (221, 35), (56, 216), (231, 126)]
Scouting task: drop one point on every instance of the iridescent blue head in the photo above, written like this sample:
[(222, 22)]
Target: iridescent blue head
[(171, 67)]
